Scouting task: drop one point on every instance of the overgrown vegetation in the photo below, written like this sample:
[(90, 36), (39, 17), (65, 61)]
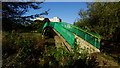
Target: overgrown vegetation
[(22, 50), (103, 19), (17, 50), (117, 59)]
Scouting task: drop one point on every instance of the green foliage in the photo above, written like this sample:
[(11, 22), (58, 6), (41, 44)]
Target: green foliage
[(117, 59), (110, 57), (37, 25), (60, 57), (102, 18), (17, 47), (12, 15), (22, 26), (106, 56), (16, 9), (14, 41), (21, 50)]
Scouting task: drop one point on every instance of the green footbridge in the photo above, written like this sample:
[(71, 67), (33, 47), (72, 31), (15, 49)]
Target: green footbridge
[(68, 32)]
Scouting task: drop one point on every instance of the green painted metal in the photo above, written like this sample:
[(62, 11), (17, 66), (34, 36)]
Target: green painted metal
[(68, 31), (67, 35)]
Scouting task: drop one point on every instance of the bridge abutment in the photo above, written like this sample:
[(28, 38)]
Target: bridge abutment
[(84, 46)]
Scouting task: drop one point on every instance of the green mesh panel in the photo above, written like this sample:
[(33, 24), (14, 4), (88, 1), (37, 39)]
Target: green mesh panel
[(67, 35), (68, 31)]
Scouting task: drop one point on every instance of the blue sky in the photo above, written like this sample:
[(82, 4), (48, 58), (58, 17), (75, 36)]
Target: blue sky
[(67, 11)]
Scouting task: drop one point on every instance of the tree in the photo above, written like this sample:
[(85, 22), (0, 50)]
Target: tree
[(102, 18), (13, 11), (16, 9)]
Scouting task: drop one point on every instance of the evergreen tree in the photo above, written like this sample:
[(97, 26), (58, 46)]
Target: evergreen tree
[(13, 11)]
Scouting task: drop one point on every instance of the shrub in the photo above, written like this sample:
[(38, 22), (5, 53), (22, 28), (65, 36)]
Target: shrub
[(25, 54), (16, 49)]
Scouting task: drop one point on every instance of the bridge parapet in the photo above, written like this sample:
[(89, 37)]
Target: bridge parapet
[(69, 32), (88, 36), (66, 34)]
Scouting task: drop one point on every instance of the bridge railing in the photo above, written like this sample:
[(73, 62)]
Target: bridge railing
[(67, 35), (68, 31)]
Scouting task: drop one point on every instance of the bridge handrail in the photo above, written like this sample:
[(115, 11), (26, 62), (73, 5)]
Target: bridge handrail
[(66, 34), (83, 30), (92, 38)]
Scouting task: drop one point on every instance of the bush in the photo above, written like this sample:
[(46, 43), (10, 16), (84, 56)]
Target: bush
[(60, 57), (20, 51), (16, 49)]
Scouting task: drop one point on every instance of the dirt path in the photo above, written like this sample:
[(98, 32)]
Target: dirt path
[(104, 61)]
